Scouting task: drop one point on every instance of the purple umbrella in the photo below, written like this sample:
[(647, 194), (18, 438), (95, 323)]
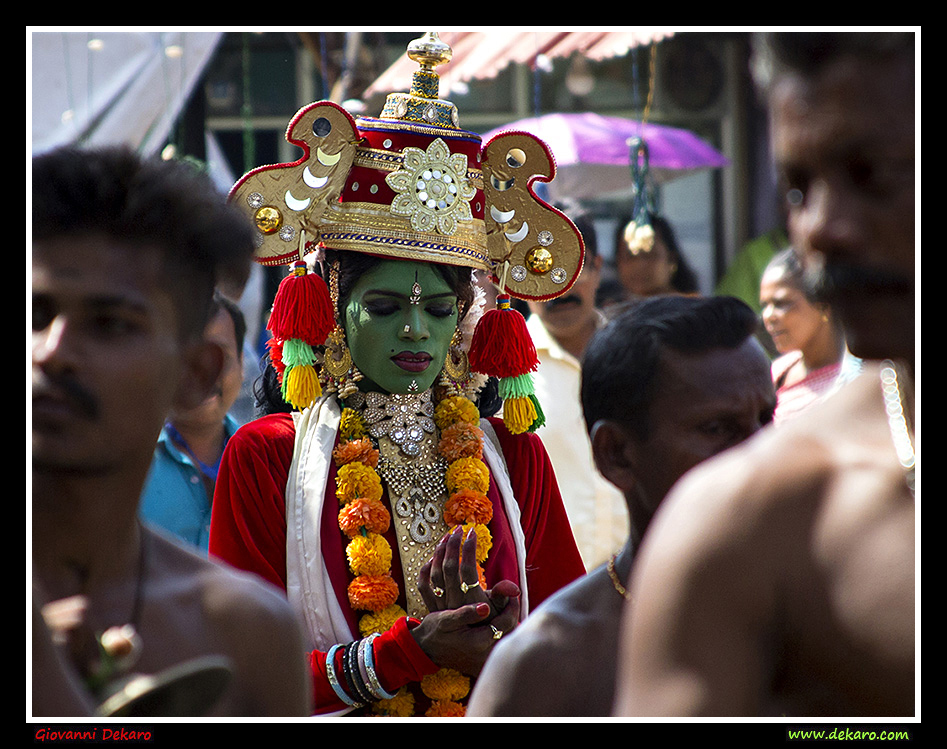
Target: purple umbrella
[(593, 155)]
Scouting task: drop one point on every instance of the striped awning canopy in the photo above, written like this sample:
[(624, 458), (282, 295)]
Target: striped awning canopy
[(483, 54)]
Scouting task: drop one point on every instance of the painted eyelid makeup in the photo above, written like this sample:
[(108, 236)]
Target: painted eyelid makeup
[(380, 298)]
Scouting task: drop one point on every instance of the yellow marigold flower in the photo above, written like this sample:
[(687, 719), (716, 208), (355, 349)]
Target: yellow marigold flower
[(399, 706), (355, 480), (468, 473), (380, 621), (369, 555), (356, 451), (453, 409), (445, 684), (467, 505), (372, 593), (484, 539), (369, 514), (351, 425), (445, 709), (461, 440)]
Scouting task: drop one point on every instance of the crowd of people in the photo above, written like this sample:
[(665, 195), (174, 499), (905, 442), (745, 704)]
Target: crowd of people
[(444, 509)]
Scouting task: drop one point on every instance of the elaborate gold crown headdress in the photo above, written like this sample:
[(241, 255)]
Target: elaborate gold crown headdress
[(411, 184)]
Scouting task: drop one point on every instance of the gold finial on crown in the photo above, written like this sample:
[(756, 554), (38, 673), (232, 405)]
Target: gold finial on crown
[(421, 104), (429, 51)]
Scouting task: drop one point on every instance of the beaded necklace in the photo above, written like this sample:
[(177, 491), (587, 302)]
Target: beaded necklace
[(895, 412)]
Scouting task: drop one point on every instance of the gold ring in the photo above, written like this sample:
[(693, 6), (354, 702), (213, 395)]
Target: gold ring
[(497, 633), (465, 587), (438, 592)]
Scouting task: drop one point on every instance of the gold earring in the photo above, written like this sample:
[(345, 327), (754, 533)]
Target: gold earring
[(456, 364), (337, 363)]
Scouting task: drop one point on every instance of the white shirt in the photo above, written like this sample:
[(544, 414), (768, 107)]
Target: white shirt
[(596, 509)]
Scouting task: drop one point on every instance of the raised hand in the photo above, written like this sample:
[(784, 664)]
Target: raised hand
[(465, 620)]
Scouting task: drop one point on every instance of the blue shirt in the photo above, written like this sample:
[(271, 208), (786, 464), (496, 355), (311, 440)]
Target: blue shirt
[(175, 497)]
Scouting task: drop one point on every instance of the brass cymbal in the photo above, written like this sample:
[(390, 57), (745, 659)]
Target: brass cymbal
[(189, 689)]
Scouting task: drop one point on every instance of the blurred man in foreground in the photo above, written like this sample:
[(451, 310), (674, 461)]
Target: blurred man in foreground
[(126, 254), (779, 579)]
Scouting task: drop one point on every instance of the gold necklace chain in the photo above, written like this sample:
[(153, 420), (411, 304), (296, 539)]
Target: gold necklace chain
[(616, 582)]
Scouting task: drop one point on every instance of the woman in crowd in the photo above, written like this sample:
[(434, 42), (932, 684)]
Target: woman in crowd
[(648, 261), (811, 345)]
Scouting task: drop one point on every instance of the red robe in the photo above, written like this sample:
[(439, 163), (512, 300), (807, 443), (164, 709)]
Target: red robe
[(248, 530)]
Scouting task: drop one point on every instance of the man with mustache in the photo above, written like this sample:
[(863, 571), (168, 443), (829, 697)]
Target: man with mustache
[(561, 329), (126, 255), (779, 580)]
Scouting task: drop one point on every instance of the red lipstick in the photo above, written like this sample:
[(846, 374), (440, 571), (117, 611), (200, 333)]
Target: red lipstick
[(411, 361)]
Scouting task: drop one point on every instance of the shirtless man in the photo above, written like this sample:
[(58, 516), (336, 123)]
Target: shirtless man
[(670, 382), (125, 258), (778, 580)]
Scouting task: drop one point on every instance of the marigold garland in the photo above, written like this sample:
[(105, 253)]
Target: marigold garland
[(468, 473), (454, 409), (369, 555), (368, 514), (467, 504), (357, 480), (446, 709), (359, 450), (484, 539), (372, 592), (351, 426), (363, 518), (380, 621), (461, 440), (446, 684), (400, 706)]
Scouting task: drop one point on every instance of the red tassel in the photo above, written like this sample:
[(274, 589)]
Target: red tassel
[(302, 308), (502, 345)]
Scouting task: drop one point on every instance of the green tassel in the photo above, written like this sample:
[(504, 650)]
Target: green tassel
[(540, 416), (520, 386), (297, 353)]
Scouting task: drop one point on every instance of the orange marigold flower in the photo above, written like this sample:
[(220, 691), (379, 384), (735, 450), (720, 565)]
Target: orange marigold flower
[(468, 473), (356, 451), (380, 621), (461, 440), (355, 480), (467, 505), (372, 593), (453, 409), (369, 514), (369, 555), (446, 684)]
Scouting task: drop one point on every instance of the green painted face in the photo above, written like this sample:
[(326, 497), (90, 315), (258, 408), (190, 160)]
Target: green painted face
[(393, 341)]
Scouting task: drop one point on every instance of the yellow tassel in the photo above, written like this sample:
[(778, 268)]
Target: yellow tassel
[(519, 414), (301, 386)]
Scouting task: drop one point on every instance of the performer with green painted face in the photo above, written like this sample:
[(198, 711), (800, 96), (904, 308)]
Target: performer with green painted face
[(409, 526)]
